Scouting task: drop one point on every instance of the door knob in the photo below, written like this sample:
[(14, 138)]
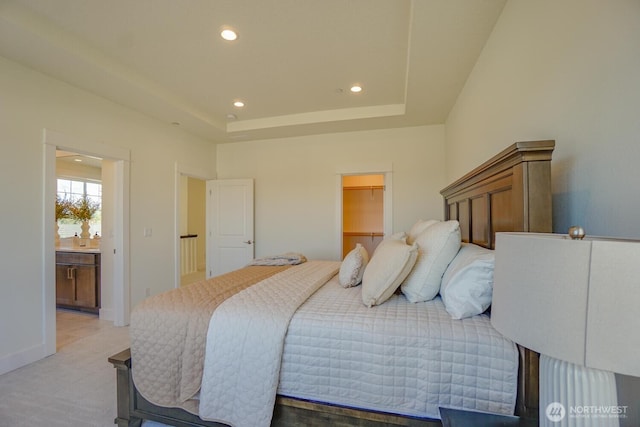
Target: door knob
[(248, 242)]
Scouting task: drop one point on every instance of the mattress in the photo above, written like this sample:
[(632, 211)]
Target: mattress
[(398, 357)]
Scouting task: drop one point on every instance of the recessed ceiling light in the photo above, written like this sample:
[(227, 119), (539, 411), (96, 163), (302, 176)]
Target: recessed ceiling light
[(228, 34), (77, 160), (238, 104), (356, 88), (231, 116)]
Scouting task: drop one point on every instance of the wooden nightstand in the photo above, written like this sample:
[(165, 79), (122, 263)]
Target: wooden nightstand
[(460, 418)]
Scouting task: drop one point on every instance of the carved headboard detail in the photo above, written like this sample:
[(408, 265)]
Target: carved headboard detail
[(509, 192)]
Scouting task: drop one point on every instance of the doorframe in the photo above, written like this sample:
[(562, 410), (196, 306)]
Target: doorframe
[(365, 169), (52, 141), (192, 172)]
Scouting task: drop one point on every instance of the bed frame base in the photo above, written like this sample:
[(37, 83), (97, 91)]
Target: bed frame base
[(133, 408)]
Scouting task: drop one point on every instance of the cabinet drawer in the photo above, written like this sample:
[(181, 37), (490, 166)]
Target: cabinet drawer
[(75, 258)]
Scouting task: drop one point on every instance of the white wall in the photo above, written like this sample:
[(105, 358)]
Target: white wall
[(565, 70), (295, 182), (30, 102)]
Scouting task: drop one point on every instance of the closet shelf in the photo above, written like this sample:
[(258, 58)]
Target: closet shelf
[(363, 233)]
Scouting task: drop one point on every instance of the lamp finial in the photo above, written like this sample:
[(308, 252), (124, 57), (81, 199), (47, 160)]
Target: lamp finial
[(576, 232)]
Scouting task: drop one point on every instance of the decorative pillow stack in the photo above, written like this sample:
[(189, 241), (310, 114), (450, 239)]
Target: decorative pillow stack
[(467, 285), (353, 266), (390, 264), (438, 244), (431, 259)]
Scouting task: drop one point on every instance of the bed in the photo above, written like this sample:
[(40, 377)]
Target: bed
[(509, 192)]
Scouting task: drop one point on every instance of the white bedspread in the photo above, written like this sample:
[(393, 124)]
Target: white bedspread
[(398, 357), (245, 341)]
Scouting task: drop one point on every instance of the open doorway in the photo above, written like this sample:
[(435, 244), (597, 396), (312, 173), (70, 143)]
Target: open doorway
[(362, 211), (77, 243), (192, 229), (114, 295), (356, 171), (190, 206)]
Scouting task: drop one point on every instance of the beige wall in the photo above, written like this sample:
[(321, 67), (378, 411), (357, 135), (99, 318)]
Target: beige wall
[(296, 185), (565, 70), (31, 102)]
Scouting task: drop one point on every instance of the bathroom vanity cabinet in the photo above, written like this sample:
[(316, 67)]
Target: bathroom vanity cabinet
[(78, 280)]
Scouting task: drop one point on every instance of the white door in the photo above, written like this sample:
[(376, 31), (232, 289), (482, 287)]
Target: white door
[(230, 242)]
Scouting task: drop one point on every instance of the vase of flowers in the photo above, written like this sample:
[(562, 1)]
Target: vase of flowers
[(83, 210), (62, 211)]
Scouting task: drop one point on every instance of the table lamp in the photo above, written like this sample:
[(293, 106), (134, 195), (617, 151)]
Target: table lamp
[(575, 301)]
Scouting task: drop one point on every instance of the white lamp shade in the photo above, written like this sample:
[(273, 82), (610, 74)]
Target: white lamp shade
[(613, 335), (574, 300)]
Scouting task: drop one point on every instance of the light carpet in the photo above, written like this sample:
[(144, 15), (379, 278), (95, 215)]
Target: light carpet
[(74, 387)]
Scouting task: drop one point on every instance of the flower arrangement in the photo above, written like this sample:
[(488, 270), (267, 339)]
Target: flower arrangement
[(83, 209), (63, 208)]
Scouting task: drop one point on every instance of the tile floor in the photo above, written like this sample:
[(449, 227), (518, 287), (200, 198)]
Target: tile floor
[(74, 325)]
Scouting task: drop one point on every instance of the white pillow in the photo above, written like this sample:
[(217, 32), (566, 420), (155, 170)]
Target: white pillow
[(418, 228), (400, 235), (388, 267), (467, 285), (352, 267), (437, 245)]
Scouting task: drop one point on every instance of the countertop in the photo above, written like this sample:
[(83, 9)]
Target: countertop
[(80, 250)]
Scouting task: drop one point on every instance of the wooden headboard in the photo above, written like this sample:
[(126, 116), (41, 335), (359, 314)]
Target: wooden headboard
[(509, 192)]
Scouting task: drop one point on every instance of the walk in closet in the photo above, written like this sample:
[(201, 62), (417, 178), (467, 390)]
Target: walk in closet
[(362, 211)]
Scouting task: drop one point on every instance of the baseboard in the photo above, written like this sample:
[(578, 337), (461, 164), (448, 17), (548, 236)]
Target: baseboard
[(21, 358)]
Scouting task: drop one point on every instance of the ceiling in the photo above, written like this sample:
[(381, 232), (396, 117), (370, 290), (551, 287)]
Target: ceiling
[(76, 159), (292, 64)]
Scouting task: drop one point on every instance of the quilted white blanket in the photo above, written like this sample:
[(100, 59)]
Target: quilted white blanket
[(245, 342), (397, 357)]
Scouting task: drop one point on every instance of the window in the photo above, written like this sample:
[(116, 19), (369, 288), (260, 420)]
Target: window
[(74, 189)]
